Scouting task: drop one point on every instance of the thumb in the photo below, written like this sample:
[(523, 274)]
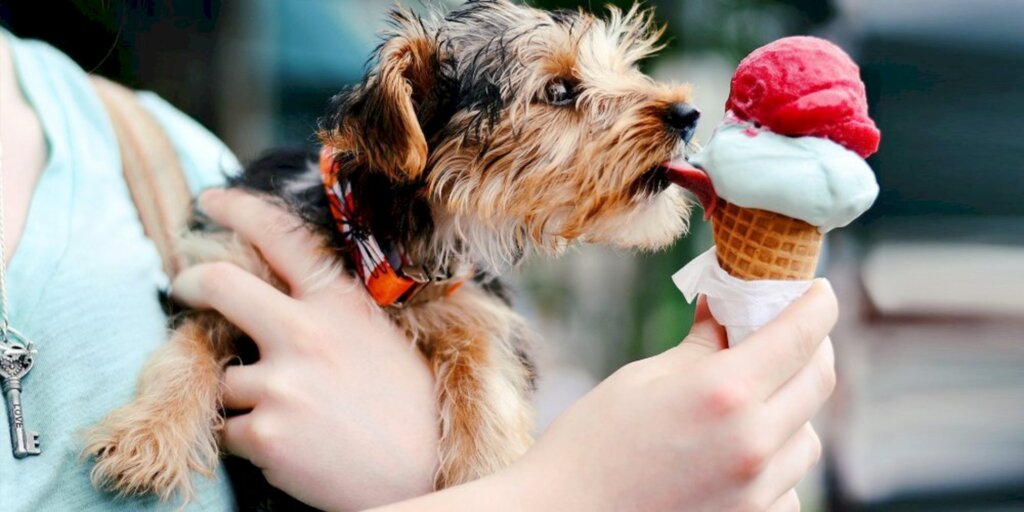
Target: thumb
[(706, 335)]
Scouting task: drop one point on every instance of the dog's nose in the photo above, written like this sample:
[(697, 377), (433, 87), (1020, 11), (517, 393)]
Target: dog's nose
[(682, 119)]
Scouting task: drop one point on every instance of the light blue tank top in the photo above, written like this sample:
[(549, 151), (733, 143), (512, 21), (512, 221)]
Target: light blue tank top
[(83, 285)]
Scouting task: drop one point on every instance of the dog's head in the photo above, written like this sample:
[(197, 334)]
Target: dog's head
[(525, 128)]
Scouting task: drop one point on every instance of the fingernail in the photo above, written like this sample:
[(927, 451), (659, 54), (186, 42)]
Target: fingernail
[(182, 289), (207, 197)]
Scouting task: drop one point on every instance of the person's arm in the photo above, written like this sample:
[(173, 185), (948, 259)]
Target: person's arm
[(695, 428)]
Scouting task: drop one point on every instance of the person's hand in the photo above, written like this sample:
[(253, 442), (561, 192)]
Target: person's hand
[(697, 428), (342, 404)]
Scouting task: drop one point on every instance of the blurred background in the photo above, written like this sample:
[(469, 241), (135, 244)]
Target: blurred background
[(929, 414)]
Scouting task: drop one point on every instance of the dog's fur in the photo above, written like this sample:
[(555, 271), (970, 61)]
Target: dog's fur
[(463, 145)]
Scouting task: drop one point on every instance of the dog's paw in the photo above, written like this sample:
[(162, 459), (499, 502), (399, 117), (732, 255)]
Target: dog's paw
[(141, 453)]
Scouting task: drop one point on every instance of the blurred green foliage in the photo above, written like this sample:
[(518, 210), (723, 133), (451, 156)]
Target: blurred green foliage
[(731, 27)]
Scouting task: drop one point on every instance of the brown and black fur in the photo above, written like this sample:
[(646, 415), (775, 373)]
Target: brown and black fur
[(477, 138)]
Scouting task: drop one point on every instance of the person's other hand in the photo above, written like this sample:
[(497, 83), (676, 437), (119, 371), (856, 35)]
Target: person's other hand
[(697, 428), (342, 411)]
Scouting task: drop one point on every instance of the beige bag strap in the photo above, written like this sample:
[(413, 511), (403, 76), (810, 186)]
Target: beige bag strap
[(152, 170)]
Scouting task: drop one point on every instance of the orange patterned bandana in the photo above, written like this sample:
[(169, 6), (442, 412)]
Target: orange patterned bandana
[(389, 275)]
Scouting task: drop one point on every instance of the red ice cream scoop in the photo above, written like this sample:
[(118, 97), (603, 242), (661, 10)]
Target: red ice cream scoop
[(795, 86), (804, 85)]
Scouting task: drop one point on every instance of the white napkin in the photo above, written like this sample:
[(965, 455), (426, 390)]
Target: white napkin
[(742, 307)]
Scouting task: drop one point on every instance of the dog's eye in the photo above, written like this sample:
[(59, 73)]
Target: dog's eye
[(560, 92)]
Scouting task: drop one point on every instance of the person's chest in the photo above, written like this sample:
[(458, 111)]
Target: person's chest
[(84, 288), (83, 283)]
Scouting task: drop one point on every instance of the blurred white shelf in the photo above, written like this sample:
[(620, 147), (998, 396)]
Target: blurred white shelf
[(930, 355), (945, 279)]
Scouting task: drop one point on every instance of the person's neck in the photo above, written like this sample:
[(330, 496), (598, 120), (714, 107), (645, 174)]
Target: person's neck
[(24, 147), (10, 96)]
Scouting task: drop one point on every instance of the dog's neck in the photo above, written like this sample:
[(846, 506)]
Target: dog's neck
[(492, 247)]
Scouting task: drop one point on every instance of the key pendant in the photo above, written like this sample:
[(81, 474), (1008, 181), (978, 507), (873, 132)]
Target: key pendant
[(16, 358)]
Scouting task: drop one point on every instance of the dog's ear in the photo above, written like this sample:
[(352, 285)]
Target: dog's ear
[(379, 121)]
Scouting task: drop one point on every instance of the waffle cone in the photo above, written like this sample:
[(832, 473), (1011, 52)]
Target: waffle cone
[(754, 244)]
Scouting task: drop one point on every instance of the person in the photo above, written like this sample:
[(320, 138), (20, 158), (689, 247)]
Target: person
[(340, 408)]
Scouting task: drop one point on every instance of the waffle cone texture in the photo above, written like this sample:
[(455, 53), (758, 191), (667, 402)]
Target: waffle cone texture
[(754, 244)]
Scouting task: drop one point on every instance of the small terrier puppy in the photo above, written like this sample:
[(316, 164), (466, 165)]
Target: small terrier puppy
[(476, 138)]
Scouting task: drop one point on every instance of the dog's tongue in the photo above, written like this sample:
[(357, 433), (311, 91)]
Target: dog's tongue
[(684, 174)]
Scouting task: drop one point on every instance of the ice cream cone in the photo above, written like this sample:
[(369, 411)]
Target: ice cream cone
[(754, 244), (791, 150)]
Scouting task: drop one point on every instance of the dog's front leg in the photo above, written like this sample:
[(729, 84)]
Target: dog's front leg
[(154, 444), (476, 347)]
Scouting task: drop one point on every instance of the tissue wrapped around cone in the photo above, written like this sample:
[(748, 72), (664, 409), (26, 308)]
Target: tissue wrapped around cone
[(754, 244)]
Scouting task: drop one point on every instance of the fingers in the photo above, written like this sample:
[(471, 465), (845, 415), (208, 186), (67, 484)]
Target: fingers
[(245, 300), (788, 502), (289, 247), (772, 355), (789, 465), (241, 436), (798, 400), (260, 438), (243, 387)]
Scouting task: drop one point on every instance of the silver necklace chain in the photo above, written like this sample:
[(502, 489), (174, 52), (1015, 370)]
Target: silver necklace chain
[(16, 354)]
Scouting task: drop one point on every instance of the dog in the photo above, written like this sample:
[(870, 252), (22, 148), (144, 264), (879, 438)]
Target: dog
[(476, 138)]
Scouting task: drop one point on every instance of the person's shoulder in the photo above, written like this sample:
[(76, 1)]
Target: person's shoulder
[(207, 161), (43, 53)]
